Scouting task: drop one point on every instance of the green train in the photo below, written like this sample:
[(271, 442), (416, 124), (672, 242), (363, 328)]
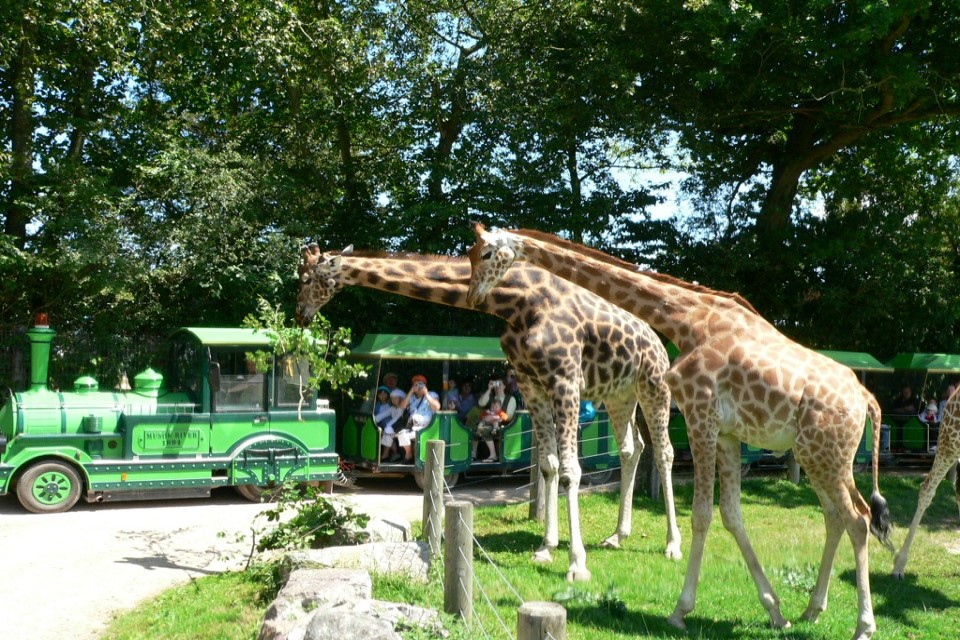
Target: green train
[(206, 420)]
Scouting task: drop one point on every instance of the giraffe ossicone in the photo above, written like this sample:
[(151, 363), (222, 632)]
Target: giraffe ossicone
[(738, 379), (561, 339)]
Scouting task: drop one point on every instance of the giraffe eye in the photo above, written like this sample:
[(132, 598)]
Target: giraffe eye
[(486, 255)]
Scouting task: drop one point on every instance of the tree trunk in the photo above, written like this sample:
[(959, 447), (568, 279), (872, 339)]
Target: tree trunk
[(21, 134)]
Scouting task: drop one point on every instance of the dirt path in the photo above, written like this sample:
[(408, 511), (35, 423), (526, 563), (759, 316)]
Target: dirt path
[(64, 575)]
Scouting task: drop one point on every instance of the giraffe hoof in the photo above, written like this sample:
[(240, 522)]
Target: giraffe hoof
[(898, 574), (613, 542), (542, 556), (676, 620), (578, 575), (673, 552)]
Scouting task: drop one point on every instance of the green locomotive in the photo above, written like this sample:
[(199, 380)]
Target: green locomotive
[(207, 420)]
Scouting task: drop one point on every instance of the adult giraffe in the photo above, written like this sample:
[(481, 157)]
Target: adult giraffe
[(738, 379), (561, 340), (948, 451)]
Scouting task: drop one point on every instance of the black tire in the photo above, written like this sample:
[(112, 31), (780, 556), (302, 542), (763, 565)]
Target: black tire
[(450, 479), (599, 476), (49, 487)]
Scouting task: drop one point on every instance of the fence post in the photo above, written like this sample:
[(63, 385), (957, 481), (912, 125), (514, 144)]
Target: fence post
[(794, 467), (538, 508), (433, 495), (541, 621), (458, 560)]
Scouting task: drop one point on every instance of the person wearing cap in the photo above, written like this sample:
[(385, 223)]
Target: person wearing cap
[(420, 403), (388, 419), (929, 414)]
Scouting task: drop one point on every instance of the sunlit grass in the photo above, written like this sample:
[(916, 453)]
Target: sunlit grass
[(635, 588)]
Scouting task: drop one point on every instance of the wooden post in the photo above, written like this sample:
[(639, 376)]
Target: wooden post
[(538, 509), (794, 468), (458, 560), (433, 495), (541, 621)]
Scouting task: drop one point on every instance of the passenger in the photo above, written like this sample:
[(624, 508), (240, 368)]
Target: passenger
[(388, 419), (488, 428), (496, 388), (467, 402), (390, 381), (382, 399), (421, 404), (943, 400), (587, 413), (451, 396), (904, 404), (512, 388), (930, 418)]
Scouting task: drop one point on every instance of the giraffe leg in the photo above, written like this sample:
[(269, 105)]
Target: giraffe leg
[(566, 403), (704, 450), (834, 532), (655, 403), (835, 483), (541, 413), (944, 460), (622, 417), (728, 468)]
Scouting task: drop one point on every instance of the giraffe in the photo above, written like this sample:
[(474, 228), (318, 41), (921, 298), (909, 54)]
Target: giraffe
[(738, 379), (562, 341), (948, 451)]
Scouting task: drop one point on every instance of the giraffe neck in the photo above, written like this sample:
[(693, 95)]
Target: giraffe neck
[(683, 312), (436, 279)]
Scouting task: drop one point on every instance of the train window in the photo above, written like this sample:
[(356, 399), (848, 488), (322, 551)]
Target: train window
[(293, 374), (242, 387)]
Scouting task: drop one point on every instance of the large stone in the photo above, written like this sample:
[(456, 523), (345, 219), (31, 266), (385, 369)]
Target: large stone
[(411, 559), (388, 530), (308, 591), (318, 604)]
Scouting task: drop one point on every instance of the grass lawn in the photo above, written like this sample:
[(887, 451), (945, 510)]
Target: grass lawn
[(635, 588)]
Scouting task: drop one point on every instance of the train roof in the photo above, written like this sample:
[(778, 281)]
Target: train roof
[(226, 336), (415, 347), (930, 362)]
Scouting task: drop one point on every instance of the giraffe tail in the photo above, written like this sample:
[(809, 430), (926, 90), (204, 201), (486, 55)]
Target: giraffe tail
[(879, 511)]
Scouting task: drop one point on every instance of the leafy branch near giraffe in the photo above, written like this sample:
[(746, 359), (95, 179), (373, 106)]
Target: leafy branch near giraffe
[(738, 379), (564, 342)]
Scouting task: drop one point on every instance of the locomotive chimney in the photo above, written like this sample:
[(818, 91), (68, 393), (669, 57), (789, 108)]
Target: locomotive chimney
[(40, 336)]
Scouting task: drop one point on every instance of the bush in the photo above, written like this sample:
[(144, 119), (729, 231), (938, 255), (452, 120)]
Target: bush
[(317, 522)]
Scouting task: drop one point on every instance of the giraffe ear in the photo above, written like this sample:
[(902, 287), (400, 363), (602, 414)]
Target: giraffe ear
[(347, 250)]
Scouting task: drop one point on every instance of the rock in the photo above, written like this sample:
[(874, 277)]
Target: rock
[(388, 530), (319, 604), (411, 559), (307, 591)]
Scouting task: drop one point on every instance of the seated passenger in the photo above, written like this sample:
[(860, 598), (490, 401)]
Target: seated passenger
[(929, 415), (488, 428), (421, 404), (467, 402), (388, 419)]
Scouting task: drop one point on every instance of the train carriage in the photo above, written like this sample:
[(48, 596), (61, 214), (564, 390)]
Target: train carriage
[(441, 358)]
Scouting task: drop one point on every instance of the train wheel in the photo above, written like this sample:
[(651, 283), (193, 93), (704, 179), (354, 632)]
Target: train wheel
[(450, 479), (600, 476), (49, 487), (255, 493)]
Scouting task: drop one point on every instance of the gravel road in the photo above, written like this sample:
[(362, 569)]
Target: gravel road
[(64, 575)]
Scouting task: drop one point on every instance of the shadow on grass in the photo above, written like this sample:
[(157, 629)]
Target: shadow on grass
[(643, 624), (901, 598)]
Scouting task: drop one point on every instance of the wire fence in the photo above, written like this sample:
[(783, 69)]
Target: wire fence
[(465, 580)]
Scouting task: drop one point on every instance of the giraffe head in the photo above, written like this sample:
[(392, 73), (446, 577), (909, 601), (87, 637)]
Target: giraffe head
[(490, 258), (319, 280)]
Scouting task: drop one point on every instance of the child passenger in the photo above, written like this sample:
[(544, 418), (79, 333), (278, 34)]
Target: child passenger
[(388, 419), (489, 426)]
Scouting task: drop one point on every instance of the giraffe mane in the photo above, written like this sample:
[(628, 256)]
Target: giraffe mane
[(623, 264)]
